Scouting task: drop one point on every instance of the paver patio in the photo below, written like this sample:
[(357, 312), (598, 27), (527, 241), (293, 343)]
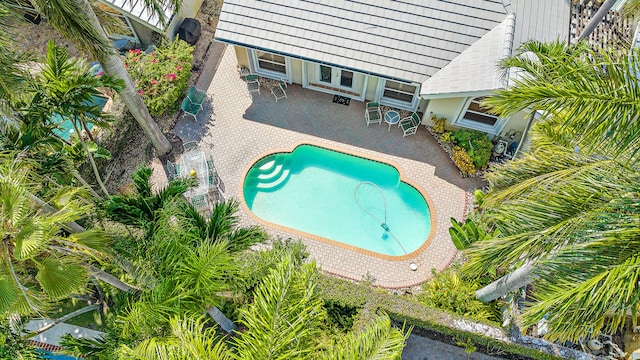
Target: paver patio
[(238, 127)]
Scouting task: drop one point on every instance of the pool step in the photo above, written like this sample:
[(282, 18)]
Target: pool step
[(275, 184), (271, 173)]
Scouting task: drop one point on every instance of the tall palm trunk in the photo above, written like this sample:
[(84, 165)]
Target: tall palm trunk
[(512, 281), (112, 65)]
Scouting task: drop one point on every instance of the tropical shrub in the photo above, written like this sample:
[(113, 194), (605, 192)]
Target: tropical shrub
[(161, 76), (446, 137), (438, 124), (477, 145), (451, 292), (465, 234), (463, 160)]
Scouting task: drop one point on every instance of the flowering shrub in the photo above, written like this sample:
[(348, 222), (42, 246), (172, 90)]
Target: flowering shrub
[(438, 124), (161, 77), (463, 161)]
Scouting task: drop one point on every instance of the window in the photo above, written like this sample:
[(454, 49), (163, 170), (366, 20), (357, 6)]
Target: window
[(271, 62), (474, 116), (475, 112), (399, 91)]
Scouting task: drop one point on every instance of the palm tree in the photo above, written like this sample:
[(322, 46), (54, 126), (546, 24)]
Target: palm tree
[(567, 211), (66, 88), (40, 263), (142, 207), (285, 321), (77, 21)]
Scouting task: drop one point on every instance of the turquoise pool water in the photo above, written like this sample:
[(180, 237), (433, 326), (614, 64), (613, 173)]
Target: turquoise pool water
[(312, 190), (66, 125)]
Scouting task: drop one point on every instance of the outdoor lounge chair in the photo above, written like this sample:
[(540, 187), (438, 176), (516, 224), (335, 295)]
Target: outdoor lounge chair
[(190, 145), (190, 108), (410, 124), (372, 113), (253, 83), (280, 90), (196, 96)]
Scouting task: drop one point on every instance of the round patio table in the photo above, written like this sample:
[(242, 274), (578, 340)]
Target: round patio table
[(391, 117)]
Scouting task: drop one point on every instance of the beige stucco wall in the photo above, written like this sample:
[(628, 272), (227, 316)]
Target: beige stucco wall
[(296, 71), (241, 55), (372, 86), (448, 108)]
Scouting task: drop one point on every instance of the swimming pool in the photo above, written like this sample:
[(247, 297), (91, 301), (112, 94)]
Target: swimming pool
[(339, 197), (65, 125)]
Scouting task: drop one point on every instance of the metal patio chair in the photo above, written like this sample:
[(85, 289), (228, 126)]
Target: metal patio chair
[(372, 113), (253, 83), (280, 90), (410, 124)]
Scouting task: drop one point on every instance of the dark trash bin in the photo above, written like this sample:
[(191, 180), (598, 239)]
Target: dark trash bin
[(189, 31)]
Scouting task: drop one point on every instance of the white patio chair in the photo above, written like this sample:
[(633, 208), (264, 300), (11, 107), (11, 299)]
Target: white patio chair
[(410, 124), (280, 90), (253, 83), (372, 113), (200, 203), (173, 170)]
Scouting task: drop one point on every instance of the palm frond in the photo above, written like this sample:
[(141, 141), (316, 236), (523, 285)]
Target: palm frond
[(284, 320), (60, 278), (595, 92), (377, 341)]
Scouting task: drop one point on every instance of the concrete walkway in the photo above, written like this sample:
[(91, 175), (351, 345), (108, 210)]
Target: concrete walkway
[(420, 348)]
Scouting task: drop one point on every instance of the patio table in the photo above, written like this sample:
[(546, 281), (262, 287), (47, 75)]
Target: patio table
[(191, 162), (391, 117)]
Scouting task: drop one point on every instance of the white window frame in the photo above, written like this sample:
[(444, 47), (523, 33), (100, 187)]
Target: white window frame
[(255, 66), (475, 125), (412, 106)]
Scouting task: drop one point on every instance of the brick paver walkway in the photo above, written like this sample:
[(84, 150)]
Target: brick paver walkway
[(237, 127)]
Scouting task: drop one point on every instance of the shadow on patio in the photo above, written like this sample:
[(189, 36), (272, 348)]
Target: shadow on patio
[(314, 113)]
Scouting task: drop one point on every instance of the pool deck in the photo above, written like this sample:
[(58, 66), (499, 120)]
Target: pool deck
[(238, 127)]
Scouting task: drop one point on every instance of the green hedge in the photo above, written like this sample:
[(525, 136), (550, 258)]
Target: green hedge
[(401, 309)]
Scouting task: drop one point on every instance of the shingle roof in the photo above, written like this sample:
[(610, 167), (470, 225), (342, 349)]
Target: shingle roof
[(137, 9), (409, 40), (403, 39), (475, 68)]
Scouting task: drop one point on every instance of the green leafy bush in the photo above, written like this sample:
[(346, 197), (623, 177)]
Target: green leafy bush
[(161, 77), (477, 145), (450, 292), (438, 124), (342, 316), (446, 137), (463, 160)]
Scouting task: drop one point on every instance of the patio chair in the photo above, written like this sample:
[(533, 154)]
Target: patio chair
[(190, 108), (372, 113), (173, 170), (196, 96), (200, 202), (213, 174), (253, 83), (410, 124), (280, 90), (190, 145)]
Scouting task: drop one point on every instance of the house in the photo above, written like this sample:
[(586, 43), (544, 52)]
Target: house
[(432, 56), (142, 27)]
